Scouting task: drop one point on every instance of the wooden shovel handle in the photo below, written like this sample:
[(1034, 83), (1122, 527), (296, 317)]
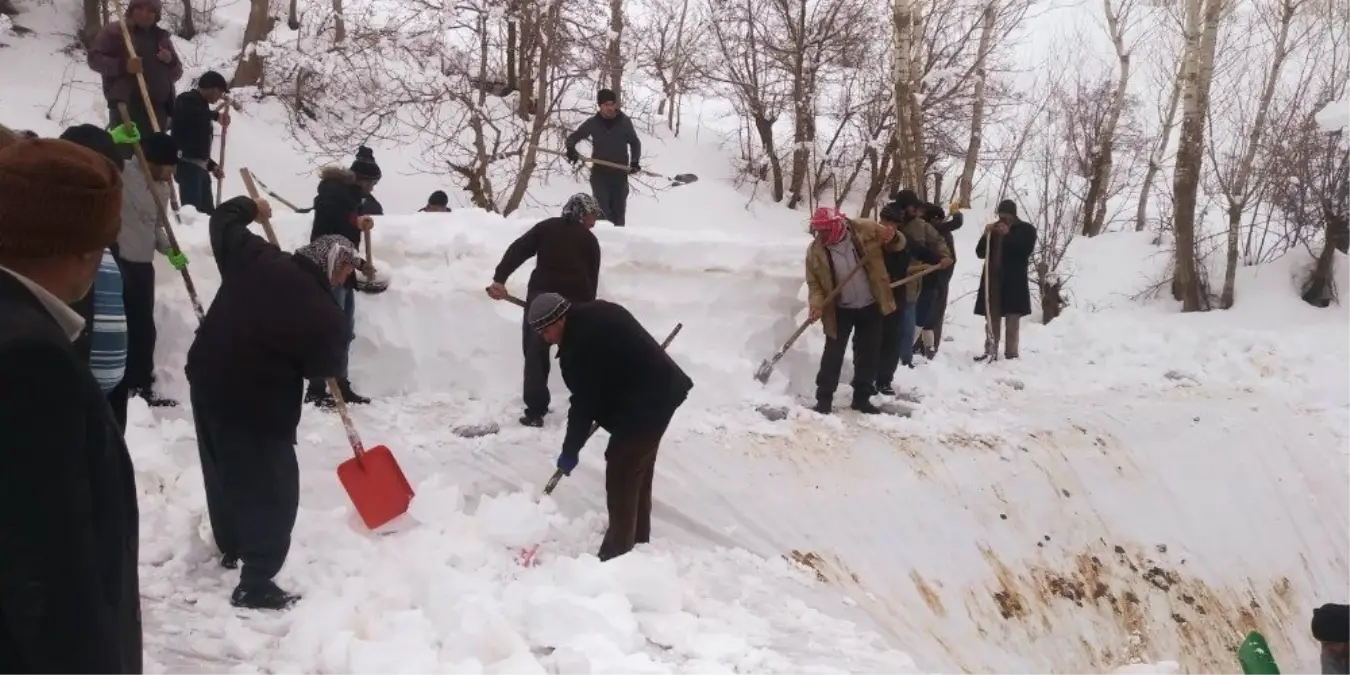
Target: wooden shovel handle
[(352, 437), (807, 323), (253, 192)]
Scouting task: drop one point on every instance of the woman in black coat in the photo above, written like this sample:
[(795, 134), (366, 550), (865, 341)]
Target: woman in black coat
[(1012, 241)]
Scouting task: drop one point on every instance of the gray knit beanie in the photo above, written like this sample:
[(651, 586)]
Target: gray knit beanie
[(546, 309)]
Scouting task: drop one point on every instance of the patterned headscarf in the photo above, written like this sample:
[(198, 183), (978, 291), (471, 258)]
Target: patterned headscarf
[(579, 205), (330, 252)]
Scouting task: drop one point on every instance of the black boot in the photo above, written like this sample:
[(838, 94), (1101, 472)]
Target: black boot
[(262, 595), (864, 406), (530, 419), (885, 390), (351, 397), (229, 561), (152, 399), (319, 396), (824, 406)]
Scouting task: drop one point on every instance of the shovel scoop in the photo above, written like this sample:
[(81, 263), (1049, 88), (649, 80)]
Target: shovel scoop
[(372, 478)]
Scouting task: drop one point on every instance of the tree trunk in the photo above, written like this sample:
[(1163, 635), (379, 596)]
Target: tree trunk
[(93, 20), (549, 55), (967, 180), (902, 26), (293, 15), (249, 72), (919, 159), (511, 38), (614, 52), (187, 28), (1155, 155), (1094, 204), (1239, 192), (1198, 73), (339, 23), (525, 80), (764, 129)]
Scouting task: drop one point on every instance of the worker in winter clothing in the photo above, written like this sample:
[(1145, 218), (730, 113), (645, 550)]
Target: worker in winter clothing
[(1011, 241), (438, 202), (337, 210), (567, 263), (932, 316), (622, 380), (367, 174), (140, 238), (272, 324), (923, 247), (1331, 627), (847, 254), (103, 342), (612, 138), (192, 118), (154, 59), (69, 543)]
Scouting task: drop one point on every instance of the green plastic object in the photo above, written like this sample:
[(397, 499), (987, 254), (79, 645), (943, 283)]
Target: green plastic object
[(1255, 656), (126, 134)]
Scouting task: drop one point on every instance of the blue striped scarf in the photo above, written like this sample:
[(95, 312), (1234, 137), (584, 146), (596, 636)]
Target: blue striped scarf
[(108, 335)]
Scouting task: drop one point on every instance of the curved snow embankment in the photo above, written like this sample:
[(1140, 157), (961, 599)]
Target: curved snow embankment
[(1137, 488)]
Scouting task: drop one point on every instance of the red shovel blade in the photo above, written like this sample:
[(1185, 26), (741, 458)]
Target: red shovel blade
[(378, 489)]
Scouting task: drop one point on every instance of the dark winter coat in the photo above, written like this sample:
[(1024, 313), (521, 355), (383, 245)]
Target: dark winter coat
[(108, 57), (619, 375), (337, 207), (611, 140), (567, 259), (272, 326), (925, 246), (1008, 267), (192, 131), (945, 228), (69, 543)]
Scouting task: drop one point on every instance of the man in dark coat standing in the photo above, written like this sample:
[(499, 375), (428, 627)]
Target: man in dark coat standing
[(338, 209), (567, 263), (155, 59), (69, 590), (273, 324), (622, 380), (1011, 241), (931, 321), (192, 118), (612, 137)]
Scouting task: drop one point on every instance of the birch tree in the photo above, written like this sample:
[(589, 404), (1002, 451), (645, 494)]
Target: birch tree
[(614, 48), (1093, 214), (988, 23), (1197, 73)]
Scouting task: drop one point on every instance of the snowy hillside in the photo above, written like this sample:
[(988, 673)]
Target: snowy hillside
[(1141, 487)]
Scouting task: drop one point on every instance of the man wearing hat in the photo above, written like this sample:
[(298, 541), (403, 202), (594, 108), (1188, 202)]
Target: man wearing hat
[(622, 380), (1011, 241), (612, 137), (367, 177), (139, 239), (438, 202), (192, 118), (924, 246), (69, 592), (1331, 627)]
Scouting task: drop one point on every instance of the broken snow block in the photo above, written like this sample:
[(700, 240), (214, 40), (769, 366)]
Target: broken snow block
[(773, 413), (897, 409), (1016, 385), (909, 397), (477, 430)]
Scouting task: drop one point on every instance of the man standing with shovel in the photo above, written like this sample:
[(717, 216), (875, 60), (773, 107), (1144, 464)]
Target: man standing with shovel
[(623, 380), (154, 59), (272, 324), (612, 136)]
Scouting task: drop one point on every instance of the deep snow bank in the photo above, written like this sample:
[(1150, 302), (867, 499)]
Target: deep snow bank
[(1141, 486)]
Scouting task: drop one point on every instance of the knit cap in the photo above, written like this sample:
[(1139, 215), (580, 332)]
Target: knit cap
[(546, 309), (606, 96), (365, 166), (1331, 623), (1007, 206), (57, 198), (161, 149)]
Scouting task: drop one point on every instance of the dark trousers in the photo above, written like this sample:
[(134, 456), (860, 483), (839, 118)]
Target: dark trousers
[(630, 463), (536, 352), (117, 400), (897, 340), (610, 188), (865, 326), (194, 187), (252, 491), (346, 299), (138, 299), (938, 313)]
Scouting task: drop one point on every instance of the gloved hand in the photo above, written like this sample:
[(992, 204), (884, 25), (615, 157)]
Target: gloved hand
[(568, 461), (573, 156), (177, 260), (634, 167), (126, 134)]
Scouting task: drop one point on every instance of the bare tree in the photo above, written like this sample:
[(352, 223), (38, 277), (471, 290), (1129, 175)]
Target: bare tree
[(614, 48), (1101, 154), (1159, 148), (1197, 73), (671, 33), (988, 24), (249, 71)]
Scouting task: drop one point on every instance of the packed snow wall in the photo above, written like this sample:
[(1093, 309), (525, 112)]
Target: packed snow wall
[(1138, 487)]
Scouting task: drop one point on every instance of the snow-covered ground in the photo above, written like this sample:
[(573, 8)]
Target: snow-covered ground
[(1142, 487)]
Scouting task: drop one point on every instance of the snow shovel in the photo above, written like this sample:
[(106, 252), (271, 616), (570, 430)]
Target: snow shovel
[(272, 193), (372, 478), (990, 330), (514, 300), (159, 214), (675, 181), (527, 556), (371, 285), (766, 368), (220, 181)]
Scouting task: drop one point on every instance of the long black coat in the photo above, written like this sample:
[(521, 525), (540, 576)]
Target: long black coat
[(272, 326), (69, 587), (617, 372), (567, 259), (1012, 257)]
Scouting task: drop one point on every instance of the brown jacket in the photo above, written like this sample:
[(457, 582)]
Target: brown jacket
[(922, 233), (820, 269), (108, 57)]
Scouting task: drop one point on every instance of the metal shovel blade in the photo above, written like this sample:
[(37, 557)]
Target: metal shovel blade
[(683, 179), (377, 487), (764, 371)]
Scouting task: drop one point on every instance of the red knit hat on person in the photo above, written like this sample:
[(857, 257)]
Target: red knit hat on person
[(830, 223), (57, 198)]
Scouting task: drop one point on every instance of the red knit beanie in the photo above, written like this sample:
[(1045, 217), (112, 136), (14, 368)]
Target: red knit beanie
[(57, 198)]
